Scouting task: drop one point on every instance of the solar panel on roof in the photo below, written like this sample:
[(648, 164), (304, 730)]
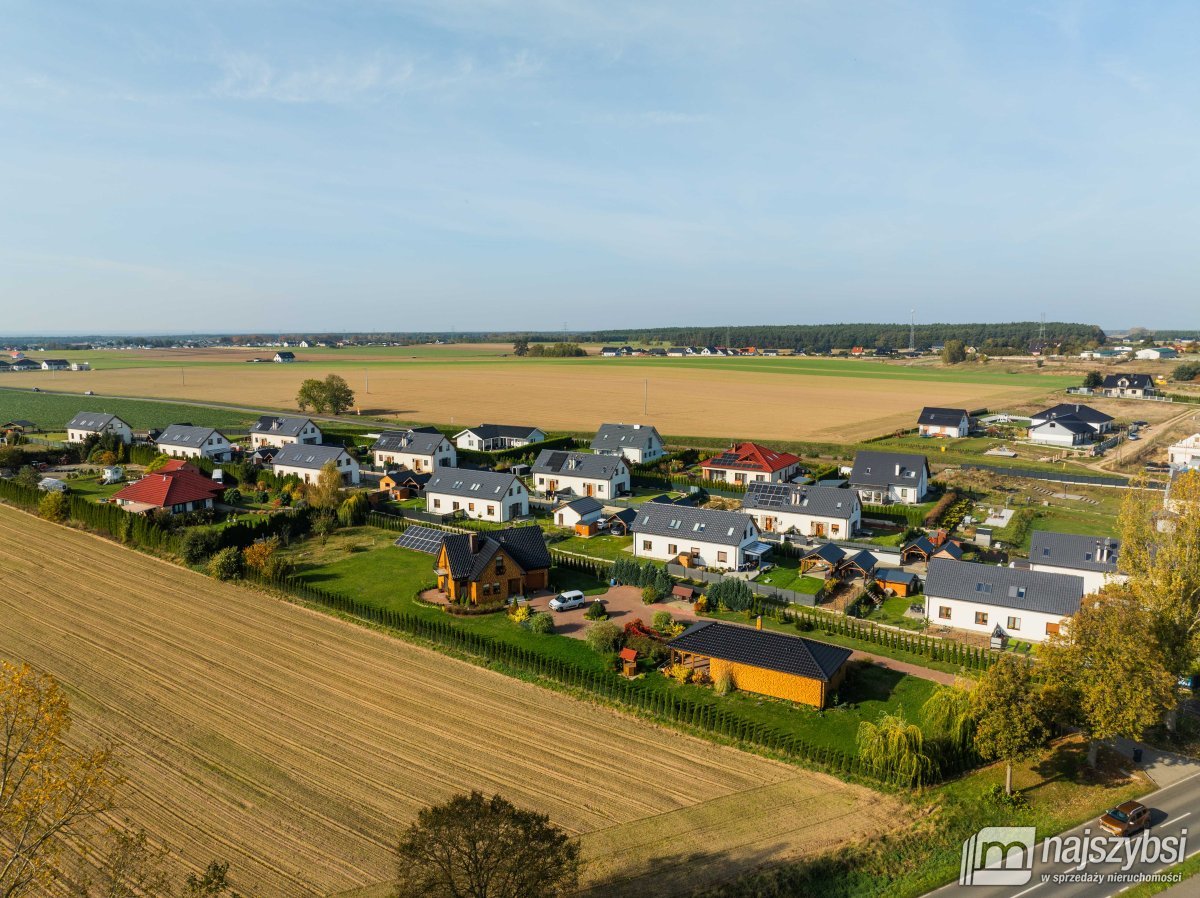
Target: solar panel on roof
[(421, 539)]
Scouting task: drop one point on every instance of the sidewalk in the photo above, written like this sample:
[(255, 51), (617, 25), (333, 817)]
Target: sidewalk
[(1164, 767)]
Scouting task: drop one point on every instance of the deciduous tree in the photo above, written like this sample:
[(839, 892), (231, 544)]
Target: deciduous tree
[(326, 493), (953, 352), (1008, 717), (894, 748)]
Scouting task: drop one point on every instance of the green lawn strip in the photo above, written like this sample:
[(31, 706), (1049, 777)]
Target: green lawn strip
[(53, 410), (92, 488), (605, 547), (1186, 870), (892, 612)]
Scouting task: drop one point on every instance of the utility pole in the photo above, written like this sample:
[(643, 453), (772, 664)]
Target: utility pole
[(182, 377), (912, 330), (366, 380), (646, 399)]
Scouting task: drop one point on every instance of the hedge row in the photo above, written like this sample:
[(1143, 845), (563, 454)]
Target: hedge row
[(910, 515)]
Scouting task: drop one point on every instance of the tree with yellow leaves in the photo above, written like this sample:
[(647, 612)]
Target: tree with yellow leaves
[(47, 789)]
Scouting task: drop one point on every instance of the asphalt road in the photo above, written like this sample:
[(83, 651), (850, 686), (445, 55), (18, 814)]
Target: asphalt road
[(1174, 809)]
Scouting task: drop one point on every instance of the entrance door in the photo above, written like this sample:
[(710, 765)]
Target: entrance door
[(590, 489), (818, 529), (552, 486), (514, 586)]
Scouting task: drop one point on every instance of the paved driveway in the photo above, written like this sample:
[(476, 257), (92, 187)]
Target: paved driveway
[(623, 603)]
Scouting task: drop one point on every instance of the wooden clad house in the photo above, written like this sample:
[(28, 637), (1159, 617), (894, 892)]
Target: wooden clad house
[(475, 568), (764, 661)]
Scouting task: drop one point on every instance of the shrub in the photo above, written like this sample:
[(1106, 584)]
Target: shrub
[(731, 594), (54, 507), (723, 683), (226, 564), (662, 621), (324, 526), (938, 510), (353, 511), (198, 544), (596, 611), (649, 595), (260, 552), (700, 606), (604, 637), (542, 623), (232, 496), (520, 614), (277, 568), (1188, 371), (650, 649), (680, 673)]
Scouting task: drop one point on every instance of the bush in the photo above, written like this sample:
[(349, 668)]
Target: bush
[(662, 621), (731, 594), (596, 611), (277, 568), (260, 552), (650, 649), (700, 606), (1186, 372), (520, 614), (232, 496), (604, 637), (226, 564), (198, 544), (54, 506), (943, 505), (723, 682), (680, 673), (542, 623), (649, 595)]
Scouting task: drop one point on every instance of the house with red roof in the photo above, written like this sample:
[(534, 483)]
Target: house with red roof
[(751, 463), (176, 490)]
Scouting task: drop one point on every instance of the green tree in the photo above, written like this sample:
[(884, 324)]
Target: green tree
[(604, 637), (54, 506), (28, 477), (326, 493), (226, 564), (947, 715), (894, 749), (542, 623), (1186, 372), (1093, 379), (198, 544), (353, 510), (311, 395), (953, 352), (477, 847), (1008, 716), (521, 347), (338, 395)]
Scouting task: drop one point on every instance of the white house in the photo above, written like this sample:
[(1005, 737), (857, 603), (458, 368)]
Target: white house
[(483, 495), (1128, 386), (1066, 431), (1185, 453), (307, 461), (84, 424), (1027, 605), (639, 443), (808, 510), (709, 538), (186, 441), (56, 365), (881, 478), (584, 510), (751, 463), (1099, 422), (80, 366), (943, 422), (417, 450), (1092, 558), (580, 473), (491, 437), (285, 357), (1156, 353), (271, 430)]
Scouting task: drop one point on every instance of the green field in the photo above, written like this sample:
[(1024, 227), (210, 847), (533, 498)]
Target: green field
[(51, 411)]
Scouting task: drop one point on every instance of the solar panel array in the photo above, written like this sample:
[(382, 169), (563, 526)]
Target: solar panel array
[(421, 539), (771, 494)]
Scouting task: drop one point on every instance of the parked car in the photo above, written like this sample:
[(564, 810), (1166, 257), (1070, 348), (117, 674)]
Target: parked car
[(565, 601), (1125, 819)]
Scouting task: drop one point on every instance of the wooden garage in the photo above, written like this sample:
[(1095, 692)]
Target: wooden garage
[(764, 661), (899, 581)]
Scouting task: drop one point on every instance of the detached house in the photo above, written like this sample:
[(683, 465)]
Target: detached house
[(580, 474), (84, 424), (1092, 558), (494, 566), (186, 441), (270, 430), (56, 365), (417, 450), (638, 443), (695, 537), (491, 437), (1135, 386), (285, 357), (1065, 431), (751, 463), (175, 490), (584, 510), (943, 422), (1099, 422), (482, 495), (306, 462), (1024, 604), (808, 510), (881, 478)]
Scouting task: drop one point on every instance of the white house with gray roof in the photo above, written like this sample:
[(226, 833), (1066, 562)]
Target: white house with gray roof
[(820, 511), (710, 538), (84, 424), (493, 437), (1026, 604), (482, 495), (1094, 558), (580, 473), (306, 462), (186, 441), (881, 478), (638, 443), (273, 430), (417, 450)]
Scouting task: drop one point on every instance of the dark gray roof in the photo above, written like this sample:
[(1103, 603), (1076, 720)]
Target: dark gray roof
[(469, 553), (286, 354), (942, 417), (299, 455), (1069, 423), (827, 552), (881, 469), (584, 505), (285, 426), (59, 362), (1073, 410), (404, 475), (1070, 550), (491, 485), (1128, 381), (763, 648), (626, 515), (579, 464), (411, 442), (894, 575), (863, 560), (493, 431), (95, 421), (615, 437), (184, 435), (1004, 587), (725, 528), (827, 503)]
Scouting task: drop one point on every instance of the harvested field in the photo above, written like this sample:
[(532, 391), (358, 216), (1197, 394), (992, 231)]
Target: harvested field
[(294, 745)]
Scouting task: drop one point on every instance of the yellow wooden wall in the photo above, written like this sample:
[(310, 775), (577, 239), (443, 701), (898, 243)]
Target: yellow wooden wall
[(792, 687)]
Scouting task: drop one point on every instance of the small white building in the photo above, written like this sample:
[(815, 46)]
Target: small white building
[(306, 462), (707, 537), (482, 495), (493, 437), (85, 424), (1092, 558), (1066, 432), (1027, 605), (418, 450), (272, 430), (808, 510), (883, 478), (186, 441), (1185, 453), (555, 472), (638, 443), (584, 510), (56, 365), (80, 366), (943, 422)]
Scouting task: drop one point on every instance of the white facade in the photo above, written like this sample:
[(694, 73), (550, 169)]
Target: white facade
[(1052, 433), (741, 475), (945, 430), (514, 504), (1156, 353), (1093, 581), (775, 520), (566, 516), (585, 486), (976, 617), (1185, 453), (704, 554), (309, 435), (469, 439), (346, 465), (116, 427), (444, 456), (215, 447)]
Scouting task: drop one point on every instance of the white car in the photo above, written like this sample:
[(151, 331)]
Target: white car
[(565, 601)]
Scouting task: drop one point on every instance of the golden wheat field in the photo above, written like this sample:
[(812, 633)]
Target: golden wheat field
[(294, 745), (769, 399)]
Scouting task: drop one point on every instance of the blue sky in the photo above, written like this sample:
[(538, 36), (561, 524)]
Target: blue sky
[(243, 166)]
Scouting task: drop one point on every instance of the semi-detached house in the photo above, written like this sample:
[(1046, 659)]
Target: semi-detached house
[(417, 450), (272, 430), (699, 537), (808, 510), (186, 441), (482, 495), (580, 474), (306, 462)]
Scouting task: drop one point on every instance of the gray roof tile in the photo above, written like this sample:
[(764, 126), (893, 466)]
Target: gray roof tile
[(725, 528), (1081, 553), (1004, 587)]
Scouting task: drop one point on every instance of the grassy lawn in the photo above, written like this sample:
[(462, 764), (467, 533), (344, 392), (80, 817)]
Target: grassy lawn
[(604, 546), (786, 575), (887, 539), (52, 411), (644, 494), (92, 488), (892, 612)]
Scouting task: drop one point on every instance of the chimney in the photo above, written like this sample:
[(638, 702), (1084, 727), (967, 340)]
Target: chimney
[(758, 622)]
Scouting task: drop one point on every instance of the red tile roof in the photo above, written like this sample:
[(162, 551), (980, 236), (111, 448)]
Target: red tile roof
[(751, 457), (175, 487), (177, 464)]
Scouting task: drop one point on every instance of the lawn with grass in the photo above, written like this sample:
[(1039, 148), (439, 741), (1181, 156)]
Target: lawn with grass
[(52, 411), (604, 546), (892, 612), (786, 575), (92, 488)]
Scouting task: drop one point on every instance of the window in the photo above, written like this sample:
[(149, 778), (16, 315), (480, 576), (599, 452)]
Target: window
[(944, 612), (499, 565), (1014, 623), (1052, 629), (672, 549), (437, 503), (491, 509), (487, 589), (470, 506), (722, 556), (835, 529), (981, 618), (645, 545)]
